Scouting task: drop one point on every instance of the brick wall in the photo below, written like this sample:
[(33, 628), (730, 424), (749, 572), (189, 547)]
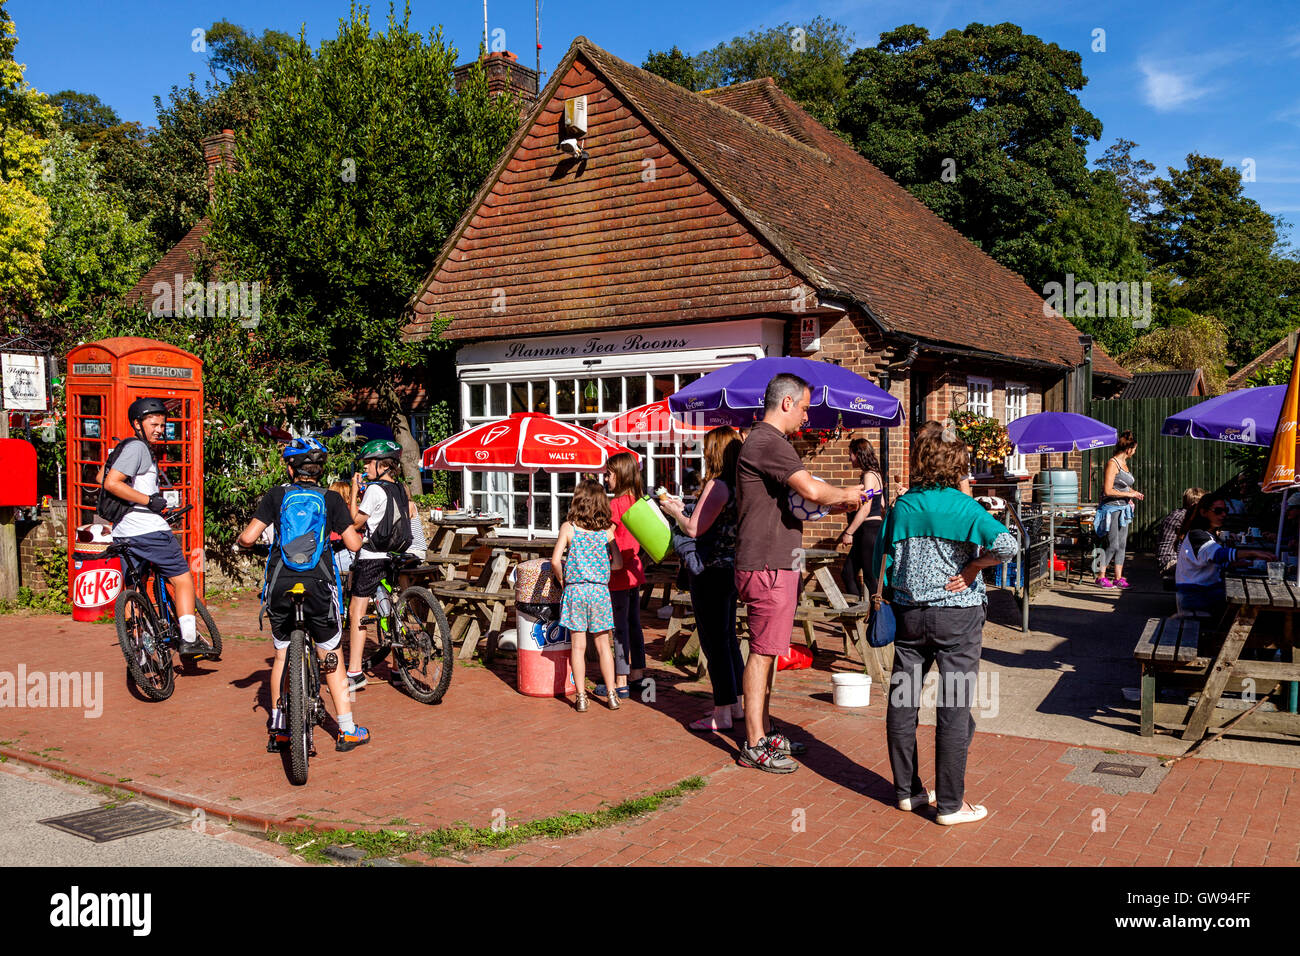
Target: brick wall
[(43, 535)]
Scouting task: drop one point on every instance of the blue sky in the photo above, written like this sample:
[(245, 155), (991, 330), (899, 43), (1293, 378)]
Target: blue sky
[(1205, 77)]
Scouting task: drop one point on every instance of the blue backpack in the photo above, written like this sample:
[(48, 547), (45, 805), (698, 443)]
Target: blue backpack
[(301, 539)]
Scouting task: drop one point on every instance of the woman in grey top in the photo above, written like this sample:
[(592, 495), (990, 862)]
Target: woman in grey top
[(1116, 511)]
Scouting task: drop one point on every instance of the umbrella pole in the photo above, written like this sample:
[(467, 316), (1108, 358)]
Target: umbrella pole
[(1281, 520), (531, 520)]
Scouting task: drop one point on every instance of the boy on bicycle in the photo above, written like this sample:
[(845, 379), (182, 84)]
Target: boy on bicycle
[(383, 512), (305, 458), (132, 476)]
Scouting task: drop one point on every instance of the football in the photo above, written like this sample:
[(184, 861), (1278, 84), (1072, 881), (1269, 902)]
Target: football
[(805, 510)]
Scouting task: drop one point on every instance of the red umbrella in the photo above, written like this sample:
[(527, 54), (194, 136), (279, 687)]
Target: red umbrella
[(526, 441), (655, 423)]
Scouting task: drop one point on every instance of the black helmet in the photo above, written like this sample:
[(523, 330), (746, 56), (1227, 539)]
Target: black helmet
[(142, 408)]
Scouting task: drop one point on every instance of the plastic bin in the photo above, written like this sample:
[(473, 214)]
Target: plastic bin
[(542, 646)]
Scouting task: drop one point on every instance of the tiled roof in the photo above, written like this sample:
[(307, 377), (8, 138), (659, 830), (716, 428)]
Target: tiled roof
[(823, 212), (1174, 384), (178, 260), (1283, 348)]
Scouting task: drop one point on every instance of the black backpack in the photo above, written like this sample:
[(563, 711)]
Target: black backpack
[(394, 531), (109, 505)]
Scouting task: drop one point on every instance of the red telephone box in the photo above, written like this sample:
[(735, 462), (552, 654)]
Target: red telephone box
[(103, 379)]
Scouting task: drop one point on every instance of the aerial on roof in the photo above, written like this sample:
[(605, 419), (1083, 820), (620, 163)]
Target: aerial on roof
[(824, 215)]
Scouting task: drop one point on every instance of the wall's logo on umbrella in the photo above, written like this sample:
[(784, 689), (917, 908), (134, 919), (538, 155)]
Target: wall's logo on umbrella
[(560, 440), (492, 434), (482, 455)]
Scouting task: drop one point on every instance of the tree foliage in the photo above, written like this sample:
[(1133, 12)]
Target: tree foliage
[(1189, 341), (351, 176), (26, 117), (983, 125), (806, 60)]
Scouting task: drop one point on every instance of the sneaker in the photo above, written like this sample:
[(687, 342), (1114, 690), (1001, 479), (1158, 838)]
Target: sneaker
[(600, 690), (762, 758), (1121, 582), (1104, 582), (276, 741), (195, 648), (350, 741), (357, 682), (780, 743)]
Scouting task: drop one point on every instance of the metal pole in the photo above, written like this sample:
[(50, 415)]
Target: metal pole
[(485, 29), (537, 9)]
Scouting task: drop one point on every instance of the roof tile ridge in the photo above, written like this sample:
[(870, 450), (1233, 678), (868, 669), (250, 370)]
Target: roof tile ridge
[(762, 127)]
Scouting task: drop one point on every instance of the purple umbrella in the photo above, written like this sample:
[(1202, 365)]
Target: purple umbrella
[(1048, 432), (1245, 417), (837, 393)]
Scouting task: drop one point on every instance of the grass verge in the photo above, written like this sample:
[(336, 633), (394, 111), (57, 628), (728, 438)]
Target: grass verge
[(311, 844)]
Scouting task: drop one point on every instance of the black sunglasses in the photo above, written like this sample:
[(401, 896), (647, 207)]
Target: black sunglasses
[(1219, 511)]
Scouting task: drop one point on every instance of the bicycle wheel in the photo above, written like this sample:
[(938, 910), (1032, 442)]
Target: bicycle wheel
[(425, 657), (299, 731), (148, 660), (207, 629)]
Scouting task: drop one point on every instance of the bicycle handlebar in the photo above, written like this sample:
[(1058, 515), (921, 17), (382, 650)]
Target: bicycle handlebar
[(172, 516)]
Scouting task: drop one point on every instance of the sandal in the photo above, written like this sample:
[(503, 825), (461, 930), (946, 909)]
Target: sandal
[(580, 702), (976, 812)]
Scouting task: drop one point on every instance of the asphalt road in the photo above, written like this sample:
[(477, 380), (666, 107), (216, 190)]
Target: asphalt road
[(27, 796)]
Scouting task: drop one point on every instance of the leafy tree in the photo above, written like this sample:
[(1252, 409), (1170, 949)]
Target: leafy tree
[(352, 174), (1221, 254), (235, 52), (1279, 373), (983, 125), (94, 252), (807, 62), (1133, 175), (84, 115), (26, 117), (1189, 341), (676, 66)]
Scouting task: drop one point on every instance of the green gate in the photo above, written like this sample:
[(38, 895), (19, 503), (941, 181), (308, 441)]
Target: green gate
[(1162, 467)]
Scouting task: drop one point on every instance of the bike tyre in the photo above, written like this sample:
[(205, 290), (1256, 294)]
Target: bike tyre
[(208, 628), (299, 731), (438, 630), (159, 663)]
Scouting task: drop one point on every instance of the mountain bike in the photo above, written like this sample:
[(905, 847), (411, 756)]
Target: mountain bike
[(300, 698), (414, 629), (148, 630)]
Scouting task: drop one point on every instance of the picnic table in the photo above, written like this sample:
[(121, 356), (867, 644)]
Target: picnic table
[(443, 549), (1249, 596)]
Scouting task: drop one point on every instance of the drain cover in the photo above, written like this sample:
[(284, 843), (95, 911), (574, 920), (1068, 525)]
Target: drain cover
[(1119, 769), (104, 824)]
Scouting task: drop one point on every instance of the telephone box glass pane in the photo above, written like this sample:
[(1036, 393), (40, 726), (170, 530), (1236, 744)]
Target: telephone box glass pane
[(90, 427), (90, 405)]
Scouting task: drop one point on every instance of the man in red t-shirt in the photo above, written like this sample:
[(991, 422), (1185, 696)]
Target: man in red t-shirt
[(769, 540)]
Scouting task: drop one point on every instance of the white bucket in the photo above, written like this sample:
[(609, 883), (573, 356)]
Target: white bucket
[(851, 690)]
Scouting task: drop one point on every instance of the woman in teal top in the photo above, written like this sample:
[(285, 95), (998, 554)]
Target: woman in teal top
[(935, 543)]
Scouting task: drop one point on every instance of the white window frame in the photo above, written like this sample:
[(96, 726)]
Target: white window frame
[(979, 465), (1015, 463)]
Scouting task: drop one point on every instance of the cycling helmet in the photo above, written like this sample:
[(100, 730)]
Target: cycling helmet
[(305, 450), (142, 408), (381, 448)]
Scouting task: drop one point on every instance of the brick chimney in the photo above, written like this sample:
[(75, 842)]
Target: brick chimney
[(504, 71), (218, 150)]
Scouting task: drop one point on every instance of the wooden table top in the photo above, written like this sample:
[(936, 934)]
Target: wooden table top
[(1258, 591), (466, 521)]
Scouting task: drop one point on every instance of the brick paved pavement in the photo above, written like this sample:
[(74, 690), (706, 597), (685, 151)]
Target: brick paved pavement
[(488, 748)]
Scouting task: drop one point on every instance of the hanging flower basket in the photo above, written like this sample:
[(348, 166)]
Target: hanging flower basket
[(987, 437)]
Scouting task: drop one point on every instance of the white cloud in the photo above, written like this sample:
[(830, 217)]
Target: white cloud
[(1166, 89)]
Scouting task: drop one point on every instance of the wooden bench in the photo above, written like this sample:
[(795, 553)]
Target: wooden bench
[(1168, 645)]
